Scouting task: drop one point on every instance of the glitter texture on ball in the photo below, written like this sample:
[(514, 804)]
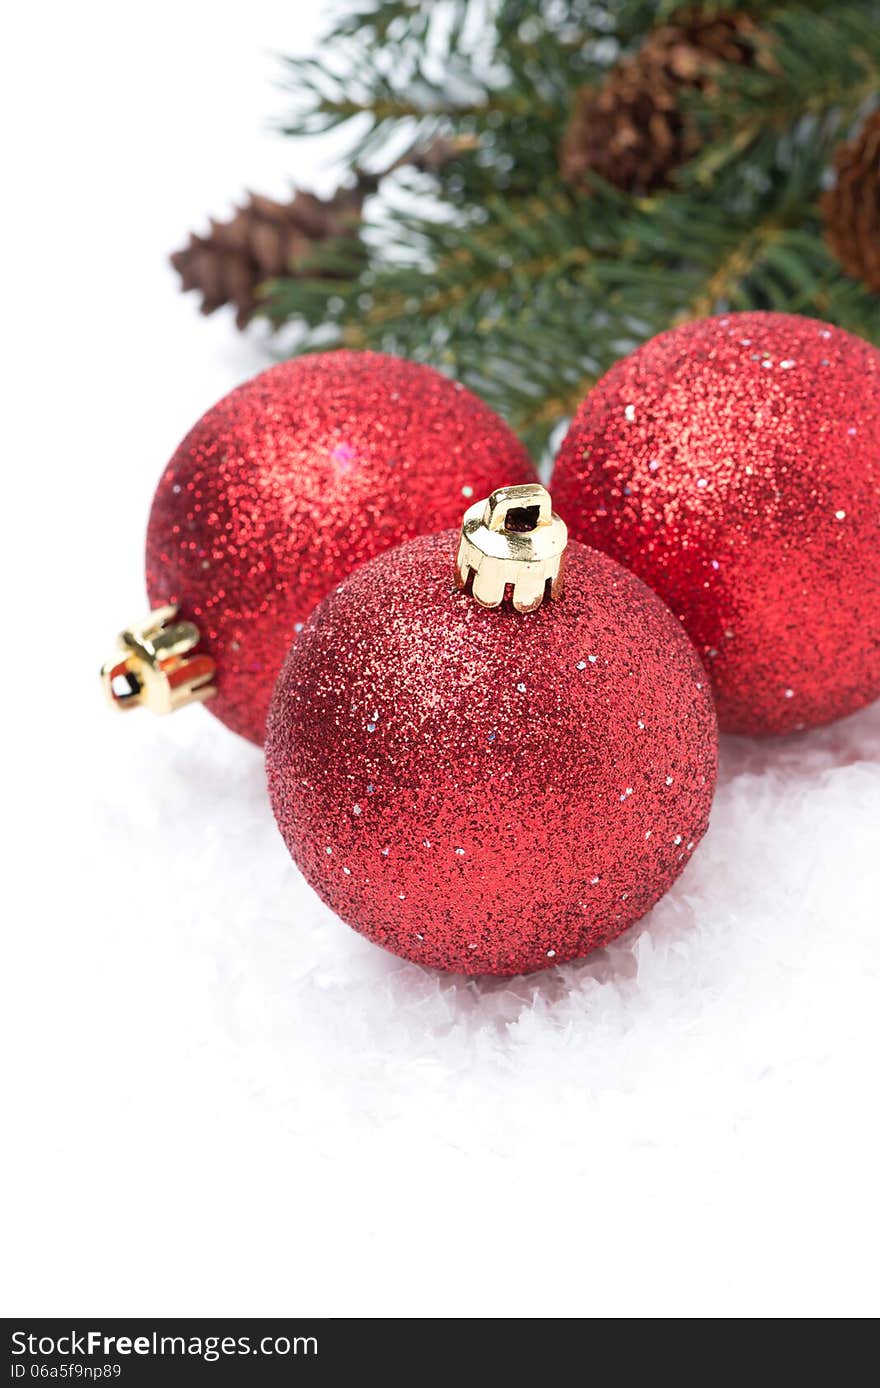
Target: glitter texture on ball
[(292, 480), (734, 464), (486, 791)]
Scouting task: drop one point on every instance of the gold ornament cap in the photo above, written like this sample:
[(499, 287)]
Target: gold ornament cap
[(512, 544), (152, 665)]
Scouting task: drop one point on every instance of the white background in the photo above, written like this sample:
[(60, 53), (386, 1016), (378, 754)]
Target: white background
[(222, 1100)]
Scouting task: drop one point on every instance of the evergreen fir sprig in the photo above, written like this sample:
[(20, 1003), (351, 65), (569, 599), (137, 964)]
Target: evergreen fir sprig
[(814, 70), (523, 287)]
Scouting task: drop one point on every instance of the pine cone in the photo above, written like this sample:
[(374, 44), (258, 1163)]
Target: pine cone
[(262, 240), (851, 209), (631, 130)]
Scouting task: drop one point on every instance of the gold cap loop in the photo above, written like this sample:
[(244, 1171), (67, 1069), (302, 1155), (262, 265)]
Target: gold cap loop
[(512, 543), (152, 666)]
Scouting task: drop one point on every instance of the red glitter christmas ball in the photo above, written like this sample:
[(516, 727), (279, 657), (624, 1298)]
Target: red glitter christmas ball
[(293, 479), (734, 465), (483, 790)]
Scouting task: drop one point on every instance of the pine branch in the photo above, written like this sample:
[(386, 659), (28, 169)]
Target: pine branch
[(530, 317), (491, 268), (810, 67)]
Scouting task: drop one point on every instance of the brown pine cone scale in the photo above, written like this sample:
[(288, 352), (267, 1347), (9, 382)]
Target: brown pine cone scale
[(631, 129), (263, 240), (851, 209)]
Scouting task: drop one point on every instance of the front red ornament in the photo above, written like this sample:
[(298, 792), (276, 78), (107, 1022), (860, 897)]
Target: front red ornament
[(734, 465), (292, 480), (484, 770)]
